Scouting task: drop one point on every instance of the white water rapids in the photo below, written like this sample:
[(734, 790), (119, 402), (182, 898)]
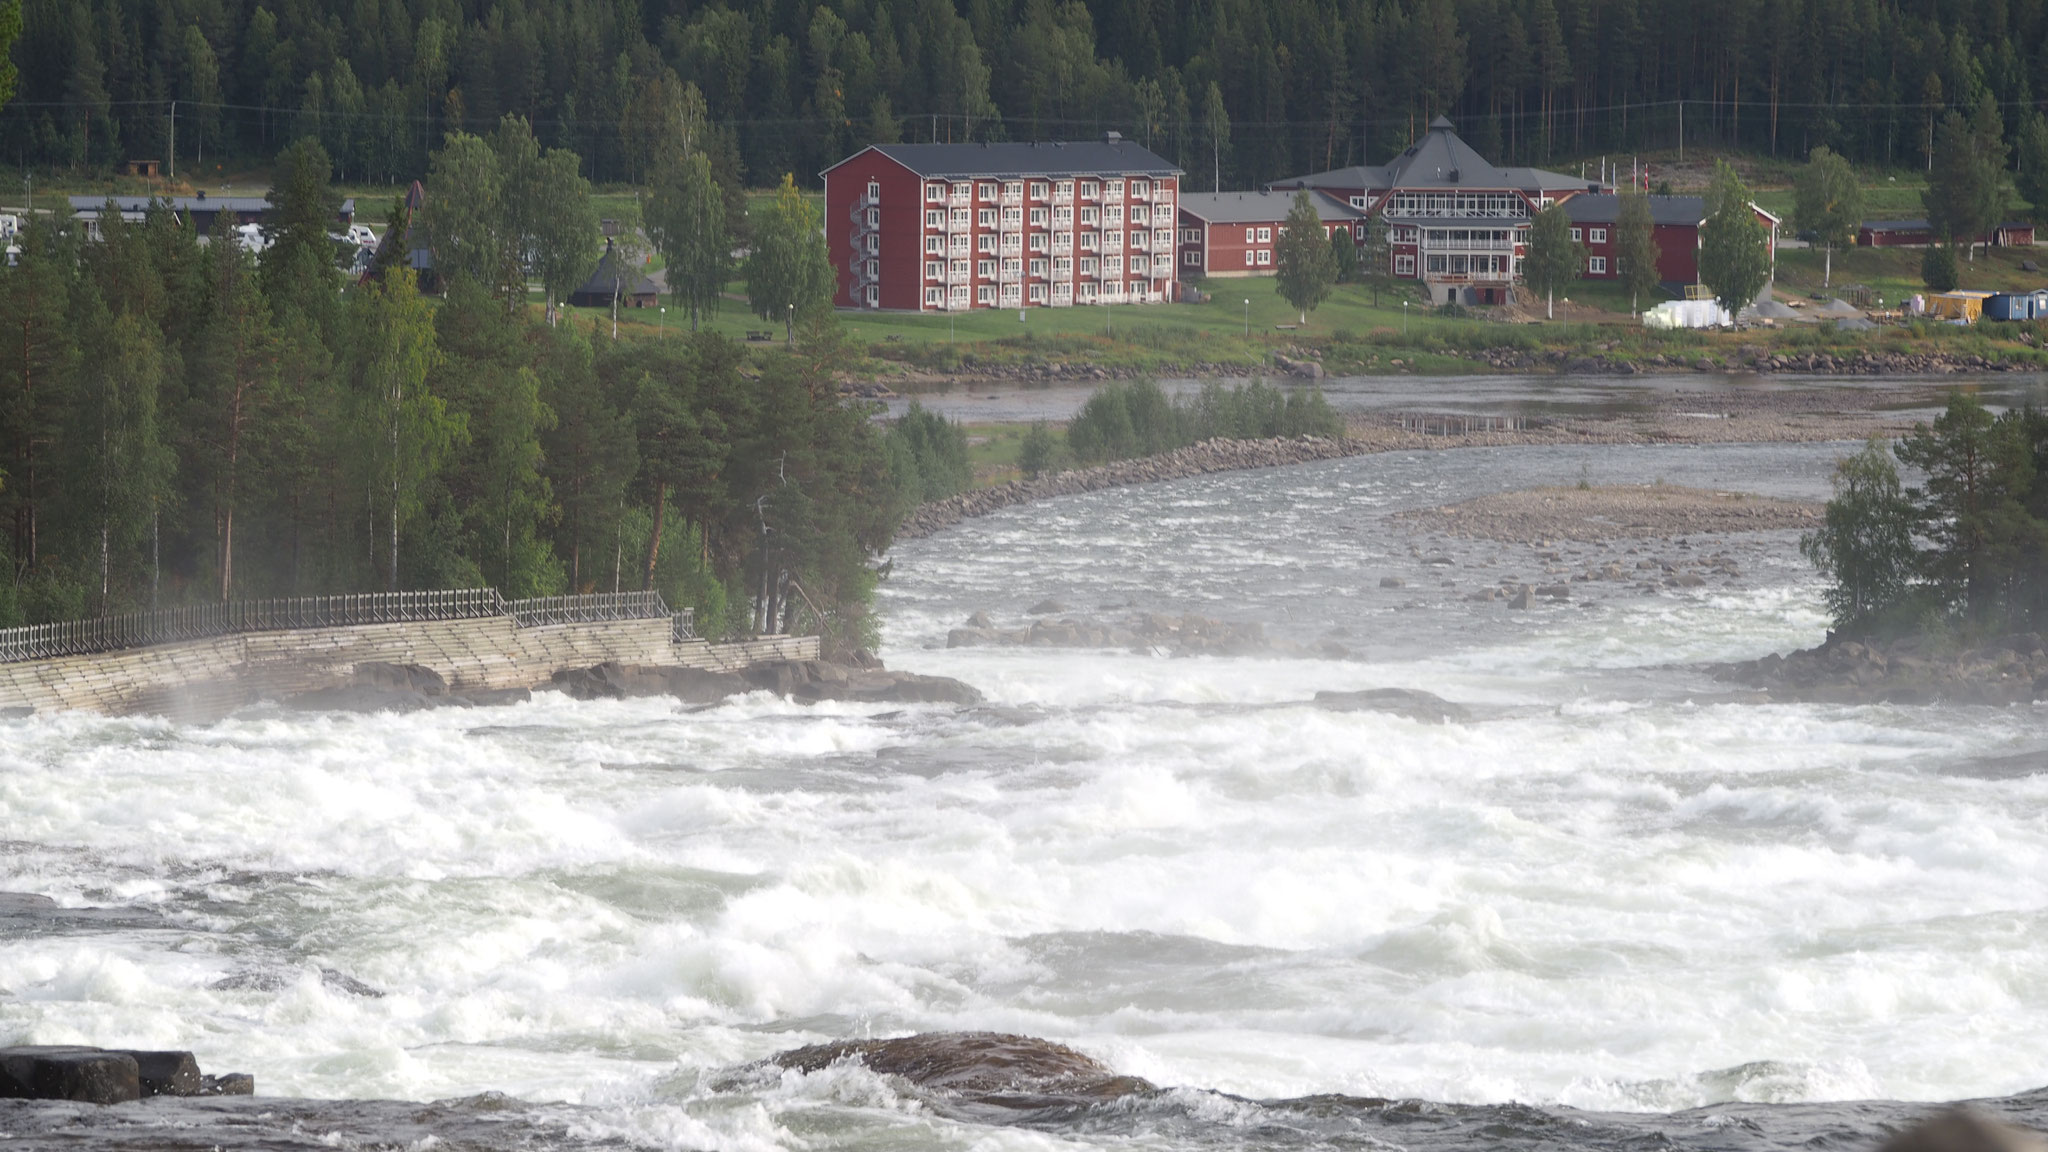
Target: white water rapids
[(1615, 888)]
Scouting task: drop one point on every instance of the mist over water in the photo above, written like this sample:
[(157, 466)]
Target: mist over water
[(1616, 889)]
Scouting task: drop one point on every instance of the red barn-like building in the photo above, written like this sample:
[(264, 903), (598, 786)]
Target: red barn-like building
[(1232, 233), (1676, 224), (1456, 222), (954, 227)]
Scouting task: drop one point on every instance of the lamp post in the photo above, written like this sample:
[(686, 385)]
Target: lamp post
[(790, 322), (664, 322), (1247, 317), (1404, 317)]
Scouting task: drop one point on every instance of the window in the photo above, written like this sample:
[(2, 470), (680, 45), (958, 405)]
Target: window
[(1087, 265), (1086, 294), (874, 190), (1038, 242), (931, 297), (1062, 217), (1090, 217), (874, 297), (1090, 241), (873, 242), (1250, 257), (1191, 235), (1090, 190), (988, 191), (1062, 293), (1358, 201), (1265, 235), (1112, 188), (1113, 214), (961, 191), (1064, 190), (935, 245), (1012, 269), (1063, 266), (1039, 217), (957, 294), (1112, 265), (1404, 265), (1113, 239), (1038, 268), (1265, 256), (935, 219), (1138, 265), (986, 269), (1039, 188), (1597, 235), (935, 192), (1251, 235), (960, 218), (985, 243), (1139, 187), (985, 294), (959, 245), (1139, 215), (1191, 257), (1013, 191), (1575, 236), (933, 269), (1038, 293), (1013, 217), (1437, 263), (1597, 265), (986, 218), (959, 268)]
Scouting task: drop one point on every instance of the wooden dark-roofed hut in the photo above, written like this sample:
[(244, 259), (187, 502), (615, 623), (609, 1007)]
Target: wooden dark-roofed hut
[(632, 289)]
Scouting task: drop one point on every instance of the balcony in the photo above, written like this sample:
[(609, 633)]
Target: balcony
[(1012, 199), (1063, 197), (959, 278), (1468, 245)]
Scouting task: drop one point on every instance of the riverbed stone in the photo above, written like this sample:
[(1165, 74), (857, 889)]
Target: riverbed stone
[(1410, 702), (69, 1072)]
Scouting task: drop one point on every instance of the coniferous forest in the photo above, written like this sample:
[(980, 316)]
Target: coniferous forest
[(183, 423), (1253, 89)]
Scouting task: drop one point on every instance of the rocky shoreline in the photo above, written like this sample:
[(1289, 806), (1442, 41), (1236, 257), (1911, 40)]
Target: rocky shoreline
[(1543, 515), (1916, 669)]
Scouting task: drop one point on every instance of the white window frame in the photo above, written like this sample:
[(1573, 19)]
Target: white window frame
[(1191, 235), (1191, 257), (986, 269), (1265, 257), (1251, 235), (1404, 264), (934, 296), (1040, 189), (986, 191), (1596, 265), (984, 218), (1576, 238), (984, 294), (1040, 217), (1251, 257), (1036, 294), (1090, 190), (935, 218), (934, 193), (1265, 235), (935, 245), (1596, 236)]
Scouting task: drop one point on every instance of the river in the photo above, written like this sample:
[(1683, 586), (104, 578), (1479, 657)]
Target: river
[(1613, 896)]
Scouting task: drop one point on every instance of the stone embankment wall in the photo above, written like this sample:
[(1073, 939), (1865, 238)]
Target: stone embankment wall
[(1193, 460), (213, 676)]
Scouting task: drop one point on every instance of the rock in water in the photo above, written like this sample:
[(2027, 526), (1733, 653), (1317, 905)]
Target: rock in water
[(1964, 1130), (984, 1067), (65, 1072), (1409, 702)]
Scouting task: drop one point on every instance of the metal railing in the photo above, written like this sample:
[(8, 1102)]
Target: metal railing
[(682, 626), (208, 621), (590, 609)]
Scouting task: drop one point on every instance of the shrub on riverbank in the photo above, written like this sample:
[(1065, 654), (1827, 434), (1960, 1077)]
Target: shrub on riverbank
[(1127, 420)]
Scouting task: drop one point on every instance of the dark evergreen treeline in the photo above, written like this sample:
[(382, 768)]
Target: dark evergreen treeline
[(181, 423), (1257, 88)]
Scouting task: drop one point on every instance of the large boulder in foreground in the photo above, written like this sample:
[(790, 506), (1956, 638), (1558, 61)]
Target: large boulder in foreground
[(810, 681), (1964, 1130), (89, 1075), (1409, 702), (985, 1067)]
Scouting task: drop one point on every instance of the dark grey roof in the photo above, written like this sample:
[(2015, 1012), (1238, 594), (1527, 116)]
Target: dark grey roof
[(82, 204), (1037, 158), (1259, 207), (1440, 160), (1923, 226), (1605, 208), (630, 282)]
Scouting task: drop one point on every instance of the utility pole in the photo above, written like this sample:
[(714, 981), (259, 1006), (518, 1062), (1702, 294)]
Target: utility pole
[(1681, 131), (174, 140)]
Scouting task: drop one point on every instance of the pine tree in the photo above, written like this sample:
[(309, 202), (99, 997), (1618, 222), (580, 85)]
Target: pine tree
[(234, 382)]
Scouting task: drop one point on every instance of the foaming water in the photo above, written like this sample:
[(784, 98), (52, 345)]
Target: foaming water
[(1615, 889)]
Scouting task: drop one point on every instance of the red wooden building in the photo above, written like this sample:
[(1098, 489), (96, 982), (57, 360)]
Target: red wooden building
[(1675, 223), (1457, 222), (1919, 234), (1232, 233), (954, 227)]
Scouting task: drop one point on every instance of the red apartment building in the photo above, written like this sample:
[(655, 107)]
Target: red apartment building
[(1675, 224), (953, 227), (1232, 233), (1456, 222)]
